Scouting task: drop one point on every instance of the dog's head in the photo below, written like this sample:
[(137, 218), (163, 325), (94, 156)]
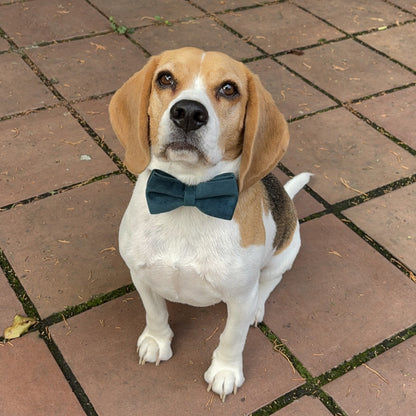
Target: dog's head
[(196, 114)]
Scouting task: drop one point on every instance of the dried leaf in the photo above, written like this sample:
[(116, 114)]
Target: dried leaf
[(21, 325), (98, 46)]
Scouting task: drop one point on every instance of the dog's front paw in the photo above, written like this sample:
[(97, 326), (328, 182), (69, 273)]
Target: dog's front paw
[(154, 348), (224, 378)]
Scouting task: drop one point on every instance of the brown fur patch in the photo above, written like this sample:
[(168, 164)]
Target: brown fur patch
[(249, 215)]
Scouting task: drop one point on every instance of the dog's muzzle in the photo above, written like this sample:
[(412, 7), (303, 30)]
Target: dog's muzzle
[(189, 115)]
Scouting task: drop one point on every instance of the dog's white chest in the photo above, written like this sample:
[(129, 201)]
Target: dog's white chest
[(186, 256)]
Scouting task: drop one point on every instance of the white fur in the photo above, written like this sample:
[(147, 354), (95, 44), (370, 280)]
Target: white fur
[(294, 185), (185, 256)]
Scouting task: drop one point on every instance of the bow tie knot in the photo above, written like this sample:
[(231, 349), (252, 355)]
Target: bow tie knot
[(217, 197)]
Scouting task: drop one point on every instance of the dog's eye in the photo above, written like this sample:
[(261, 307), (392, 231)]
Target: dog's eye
[(166, 80), (228, 90)]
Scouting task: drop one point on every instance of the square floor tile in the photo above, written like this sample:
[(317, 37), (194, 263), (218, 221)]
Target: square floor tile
[(356, 15), (88, 67), (100, 347), (43, 151), (397, 42), (347, 156), (340, 298), (9, 304), (20, 88), (390, 220), (305, 406), (64, 248), (210, 36), (95, 112), (279, 27), (293, 96), (130, 13), (393, 112), (348, 70), (33, 383), (384, 386), (47, 20)]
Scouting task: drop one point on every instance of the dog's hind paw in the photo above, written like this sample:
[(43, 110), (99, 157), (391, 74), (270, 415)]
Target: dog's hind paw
[(154, 349), (223, 379)]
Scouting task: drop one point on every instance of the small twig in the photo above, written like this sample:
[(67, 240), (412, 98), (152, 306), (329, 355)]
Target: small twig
[(276, 348), (215, 331), (376, 373), (347, 185)]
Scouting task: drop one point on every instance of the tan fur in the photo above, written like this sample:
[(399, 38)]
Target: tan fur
[(249, 215), (251, 125), (266, 136), (128, 115)]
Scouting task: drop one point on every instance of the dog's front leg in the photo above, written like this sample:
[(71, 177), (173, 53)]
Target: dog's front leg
[(225, 373), (153, 344)]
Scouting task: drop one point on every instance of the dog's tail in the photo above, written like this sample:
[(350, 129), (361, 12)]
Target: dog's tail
[(293, 186)]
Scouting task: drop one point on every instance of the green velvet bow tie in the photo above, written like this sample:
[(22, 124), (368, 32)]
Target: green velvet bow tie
[(217, 197)]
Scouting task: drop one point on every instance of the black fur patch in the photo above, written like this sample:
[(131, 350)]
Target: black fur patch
[(282, 208)]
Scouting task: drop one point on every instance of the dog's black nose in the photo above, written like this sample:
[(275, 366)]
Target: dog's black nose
[(189, 115)]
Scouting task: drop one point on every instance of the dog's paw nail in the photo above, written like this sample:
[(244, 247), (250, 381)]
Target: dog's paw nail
[(153, 349), (223, 379)]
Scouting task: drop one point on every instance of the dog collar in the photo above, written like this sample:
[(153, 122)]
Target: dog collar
[(217, 197)]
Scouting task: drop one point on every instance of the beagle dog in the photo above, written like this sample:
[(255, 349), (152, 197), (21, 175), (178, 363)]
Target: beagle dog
[(207, 221)]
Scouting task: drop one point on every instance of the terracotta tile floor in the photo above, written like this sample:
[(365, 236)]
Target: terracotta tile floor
[(340, 330)]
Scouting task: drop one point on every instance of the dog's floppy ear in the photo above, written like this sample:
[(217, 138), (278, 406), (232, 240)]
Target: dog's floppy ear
[(266, 135), (129, 117)]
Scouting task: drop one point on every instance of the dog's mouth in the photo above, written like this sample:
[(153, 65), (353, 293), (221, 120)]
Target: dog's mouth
[(182, 146), (183, 151)]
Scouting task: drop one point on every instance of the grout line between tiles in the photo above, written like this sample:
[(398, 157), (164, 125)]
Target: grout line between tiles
[(66, 370), (313, 385), (337, 208), (378, 247), (31, 311), (58, 191), (95, 301), (399, 7)]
